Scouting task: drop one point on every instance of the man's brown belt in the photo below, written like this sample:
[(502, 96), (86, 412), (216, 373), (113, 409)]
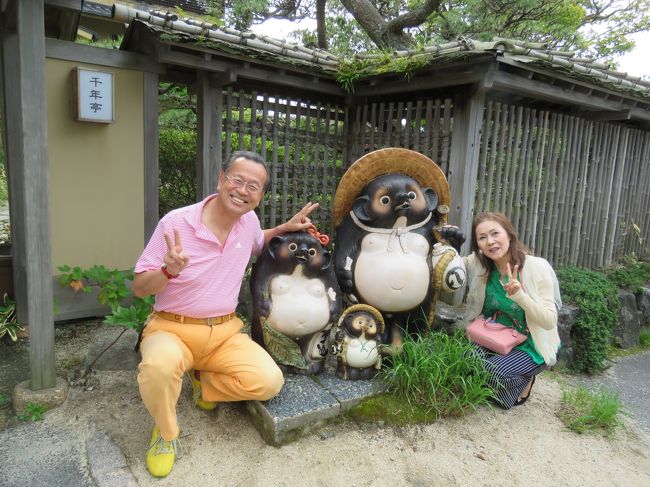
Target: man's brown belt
[(214, 320)]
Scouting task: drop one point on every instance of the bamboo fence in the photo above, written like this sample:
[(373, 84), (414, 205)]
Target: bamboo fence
[(302, 142), (577, 191)]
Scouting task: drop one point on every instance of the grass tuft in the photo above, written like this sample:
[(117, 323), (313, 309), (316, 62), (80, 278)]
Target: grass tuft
[(644, 340), (33, 412), (586, 411), (438, 375)]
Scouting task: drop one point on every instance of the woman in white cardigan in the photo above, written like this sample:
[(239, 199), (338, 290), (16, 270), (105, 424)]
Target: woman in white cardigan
[(520, 290)]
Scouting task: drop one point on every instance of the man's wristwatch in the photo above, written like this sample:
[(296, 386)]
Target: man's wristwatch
[(168, 274)]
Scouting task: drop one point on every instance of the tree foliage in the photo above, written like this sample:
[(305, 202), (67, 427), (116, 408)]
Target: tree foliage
[(600, 28)]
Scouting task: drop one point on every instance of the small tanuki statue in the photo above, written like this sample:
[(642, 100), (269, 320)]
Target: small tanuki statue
[(296, 300), (389, 211), (356, 341)]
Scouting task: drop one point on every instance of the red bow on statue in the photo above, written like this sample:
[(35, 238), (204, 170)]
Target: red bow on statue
[(322, 238)]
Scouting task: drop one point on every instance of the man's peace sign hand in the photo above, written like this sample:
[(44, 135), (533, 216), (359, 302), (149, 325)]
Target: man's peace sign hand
[(301, 221), (175, 259)]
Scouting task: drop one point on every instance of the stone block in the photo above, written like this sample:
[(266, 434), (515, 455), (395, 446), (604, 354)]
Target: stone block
[(350, 392), (51, 397), (301, 406), (566, 319), (108, 466), (626, 331), (643, 305), (103, 455), (446, 316)]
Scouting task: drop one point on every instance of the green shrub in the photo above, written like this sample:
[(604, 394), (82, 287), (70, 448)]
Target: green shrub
[(177, 160), (644, 340), (127, 310), (439, 373), (4, 186), (33, 412), (631, 274), (585, 411), (8, 325), (598, 300)]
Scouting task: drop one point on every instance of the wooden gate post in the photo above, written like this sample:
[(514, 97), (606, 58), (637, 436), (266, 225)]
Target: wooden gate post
[(464, 158), (151, 165), (206, 155), (23, 63)]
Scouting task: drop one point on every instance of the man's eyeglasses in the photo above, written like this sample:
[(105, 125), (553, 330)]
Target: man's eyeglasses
[(252, 188)]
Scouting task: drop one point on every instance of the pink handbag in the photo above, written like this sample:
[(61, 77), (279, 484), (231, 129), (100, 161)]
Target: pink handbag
[(494, 336)]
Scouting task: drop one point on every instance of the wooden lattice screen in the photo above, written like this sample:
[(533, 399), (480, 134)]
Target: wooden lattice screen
[(423, 126), (302, 142), (576, 190)]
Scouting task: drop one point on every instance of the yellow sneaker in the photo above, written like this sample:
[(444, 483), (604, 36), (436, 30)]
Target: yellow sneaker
[(161, 454), (196, 388)]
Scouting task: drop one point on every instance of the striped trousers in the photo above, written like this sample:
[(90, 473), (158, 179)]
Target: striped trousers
[(509, 374)]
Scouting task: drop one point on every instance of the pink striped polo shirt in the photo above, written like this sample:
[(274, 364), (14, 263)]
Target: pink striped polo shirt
[(210, 284)]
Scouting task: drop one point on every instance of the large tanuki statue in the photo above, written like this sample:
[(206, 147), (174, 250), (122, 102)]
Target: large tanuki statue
[(389, 210), (296, 300)]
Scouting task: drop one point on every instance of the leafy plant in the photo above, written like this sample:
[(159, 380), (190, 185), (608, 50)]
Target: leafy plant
[(8, 324), (5, 232), (644, 340), (4, 400), (127, 310), (598, 300), (4, 187), (631, 273), (177, 155), (33, 412), (585, 411), (439, 373)]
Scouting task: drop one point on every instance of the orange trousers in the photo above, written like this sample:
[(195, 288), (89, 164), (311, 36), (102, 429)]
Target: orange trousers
[(233, 367)]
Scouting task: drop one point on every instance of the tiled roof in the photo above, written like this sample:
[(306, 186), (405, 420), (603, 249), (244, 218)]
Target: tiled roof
[(223, 38), (529, 55)]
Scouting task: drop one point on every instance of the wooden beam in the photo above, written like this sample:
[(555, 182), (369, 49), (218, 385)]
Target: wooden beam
[(67, 4), (114, 58), (607, 116), (206, 160), (151, 166), (513, 84), (464, 158), (68, 24), (432, 80), (8, 18), (23, 63), (640, 114), (224, 79), (251, 73)]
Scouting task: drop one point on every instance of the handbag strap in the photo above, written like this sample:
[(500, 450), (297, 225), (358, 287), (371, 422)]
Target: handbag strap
[(517, 324)]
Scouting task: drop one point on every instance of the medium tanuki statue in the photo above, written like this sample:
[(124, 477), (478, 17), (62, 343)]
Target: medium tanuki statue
[(389, 211), (356, 341), (296, 300)]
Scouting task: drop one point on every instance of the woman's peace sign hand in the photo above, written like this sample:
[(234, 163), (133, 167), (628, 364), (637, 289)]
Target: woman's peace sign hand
[(513, 285), (175, 259)]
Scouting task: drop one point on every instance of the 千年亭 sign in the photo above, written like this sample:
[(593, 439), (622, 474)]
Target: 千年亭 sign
[(93, 95)]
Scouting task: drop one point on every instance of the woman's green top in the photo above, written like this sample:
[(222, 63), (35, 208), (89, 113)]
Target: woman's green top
[(496, 299)]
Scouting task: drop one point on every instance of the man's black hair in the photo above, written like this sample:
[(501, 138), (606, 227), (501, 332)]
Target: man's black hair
[(252, 156)]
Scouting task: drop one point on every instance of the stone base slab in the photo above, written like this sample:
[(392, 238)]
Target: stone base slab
[(306, 403), (50, 398)]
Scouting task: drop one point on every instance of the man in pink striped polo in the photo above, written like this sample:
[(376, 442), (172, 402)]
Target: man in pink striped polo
[(194, 263)]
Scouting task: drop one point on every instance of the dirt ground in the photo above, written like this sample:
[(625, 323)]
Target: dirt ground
[(489, 447)]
